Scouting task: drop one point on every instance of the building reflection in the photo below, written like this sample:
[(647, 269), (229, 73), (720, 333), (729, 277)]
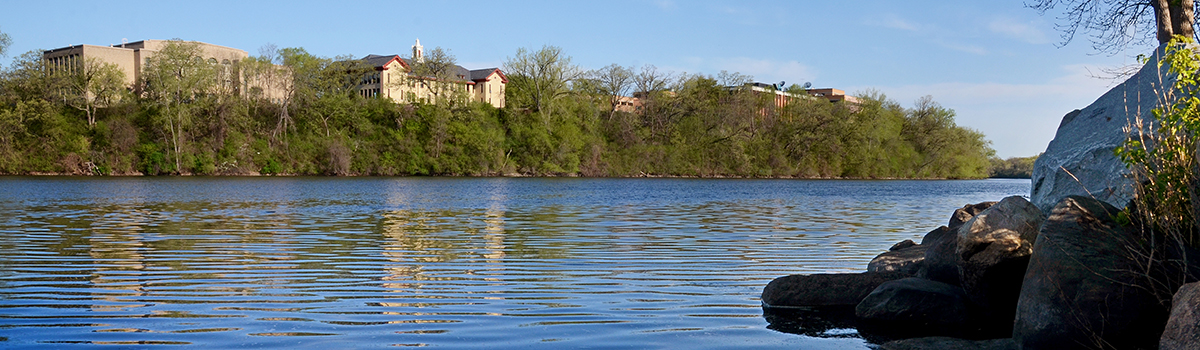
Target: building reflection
[(115, 244), (494, 218), (447, 248)]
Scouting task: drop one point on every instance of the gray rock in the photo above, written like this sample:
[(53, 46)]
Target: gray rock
[(993, 251), (936, 235), (1183, 327), (1080, 160), (847, 289), (918, 305), (964, 214), (941, 263), (946, 343), (902, 244), (906, 260), (1083, 287)]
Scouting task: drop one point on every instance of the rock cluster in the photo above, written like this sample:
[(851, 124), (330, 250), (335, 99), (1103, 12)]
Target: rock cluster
[(1078, 278)]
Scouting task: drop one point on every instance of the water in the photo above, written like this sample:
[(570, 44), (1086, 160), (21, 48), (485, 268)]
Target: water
[(330, 263)]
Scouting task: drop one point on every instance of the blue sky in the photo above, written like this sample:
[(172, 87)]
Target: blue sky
[(994, 62)]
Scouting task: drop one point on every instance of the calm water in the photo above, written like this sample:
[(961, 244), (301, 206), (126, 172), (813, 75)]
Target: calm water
[(333, 263)]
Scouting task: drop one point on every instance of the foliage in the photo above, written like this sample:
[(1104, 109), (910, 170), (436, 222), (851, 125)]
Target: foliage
[(1012, 168), (539, 77), (5, 42), (92, 85), (1163, 160), (292, 113)]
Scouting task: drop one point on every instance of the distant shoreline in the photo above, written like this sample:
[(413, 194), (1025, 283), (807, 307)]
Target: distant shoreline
[(643, 176)]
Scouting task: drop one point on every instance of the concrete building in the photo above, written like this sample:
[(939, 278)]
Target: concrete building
[(393, 78), (833, 95), (132, 57), (628, 104)]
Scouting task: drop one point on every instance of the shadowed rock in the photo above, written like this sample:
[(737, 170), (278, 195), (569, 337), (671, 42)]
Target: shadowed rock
[(945, 343), (916, 306), (936, 235), (964, 214), (905, 260), (993, 250), (1083, 288), (824, 289), (940, 263)]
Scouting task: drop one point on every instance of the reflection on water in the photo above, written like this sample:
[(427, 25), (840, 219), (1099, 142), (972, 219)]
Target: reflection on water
[(380, 262)]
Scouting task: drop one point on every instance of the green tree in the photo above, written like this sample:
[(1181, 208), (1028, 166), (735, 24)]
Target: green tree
[(539, 77), (267, 78), (175, 78), (1013, 167), (5, 42), (94, 84), (614, 82), (28, 78), (1162, 158)]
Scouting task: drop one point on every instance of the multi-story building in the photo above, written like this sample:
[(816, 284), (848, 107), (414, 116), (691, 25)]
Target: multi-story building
[(394, 78), (131, 58), (833, 95)]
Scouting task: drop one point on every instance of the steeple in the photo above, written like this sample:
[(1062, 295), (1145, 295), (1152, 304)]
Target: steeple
[(418, 52)]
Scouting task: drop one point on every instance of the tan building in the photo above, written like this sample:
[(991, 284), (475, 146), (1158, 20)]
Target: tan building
[(132, 58), (628, 104), (393, 78), (833, 95)]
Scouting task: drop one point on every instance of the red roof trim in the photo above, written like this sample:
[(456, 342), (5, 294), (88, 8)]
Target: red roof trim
[(503, 78), (395, 58)]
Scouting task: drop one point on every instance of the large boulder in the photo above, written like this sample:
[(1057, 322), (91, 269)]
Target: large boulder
[(846, 289), (964, 214), (906, 260), (916, 306), (1183, 327), (946, 343), (937, 235), (993, 249), (1085, 286), (1080, 160), (940, 263)]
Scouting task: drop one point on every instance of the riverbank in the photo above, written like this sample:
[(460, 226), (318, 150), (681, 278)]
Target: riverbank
[(513, 175)]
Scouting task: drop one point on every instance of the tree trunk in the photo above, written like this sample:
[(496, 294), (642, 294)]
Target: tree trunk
[(1183, 17), (1162, 17)]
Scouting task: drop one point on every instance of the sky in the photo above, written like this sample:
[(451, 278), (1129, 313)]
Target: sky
[(999, 65)]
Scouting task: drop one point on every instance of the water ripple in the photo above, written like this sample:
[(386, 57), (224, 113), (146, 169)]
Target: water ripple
[(381, 262)]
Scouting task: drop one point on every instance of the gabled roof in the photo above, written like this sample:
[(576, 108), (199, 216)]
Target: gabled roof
[(460, 73), (482, 74), (468, 76), (381, 61)]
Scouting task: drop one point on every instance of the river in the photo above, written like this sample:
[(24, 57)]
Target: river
[(503, 263)]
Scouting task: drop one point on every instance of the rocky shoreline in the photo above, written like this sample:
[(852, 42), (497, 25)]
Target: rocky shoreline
[(1066, 269), (1003, 275)]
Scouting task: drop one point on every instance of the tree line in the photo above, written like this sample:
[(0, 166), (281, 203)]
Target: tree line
[(289, 112)]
